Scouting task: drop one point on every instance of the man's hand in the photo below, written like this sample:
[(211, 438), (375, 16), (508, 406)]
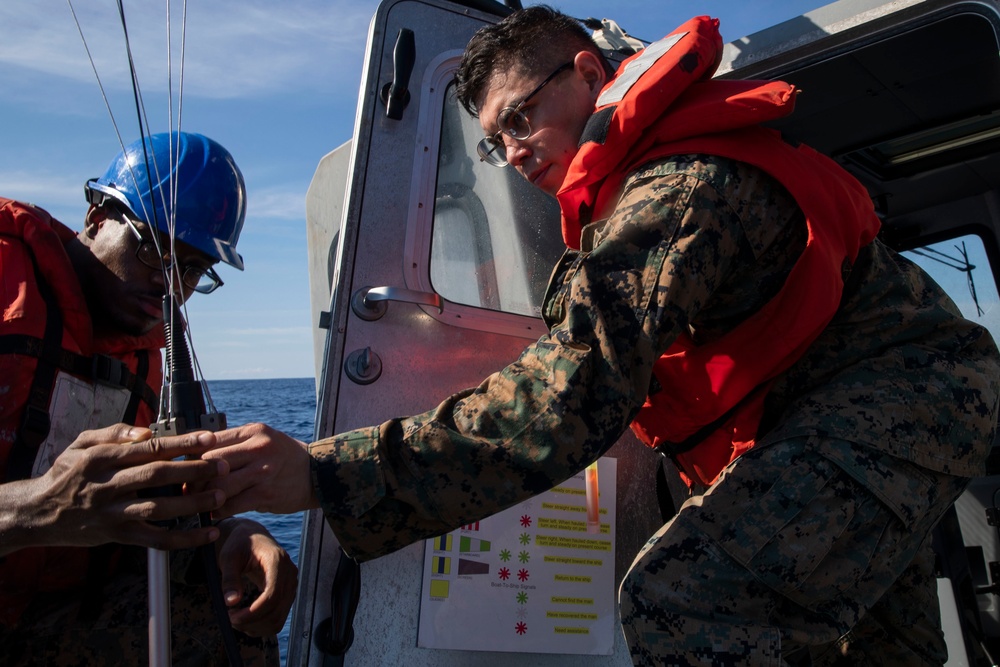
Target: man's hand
[(90, 495), (268, 471), (248, 553)]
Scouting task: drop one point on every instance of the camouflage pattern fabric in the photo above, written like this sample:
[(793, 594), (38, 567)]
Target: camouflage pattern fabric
[(788, 554), (73, 629), (696, 244)]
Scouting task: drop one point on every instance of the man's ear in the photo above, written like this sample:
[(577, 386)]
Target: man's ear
[(94, 220), (591, 69)]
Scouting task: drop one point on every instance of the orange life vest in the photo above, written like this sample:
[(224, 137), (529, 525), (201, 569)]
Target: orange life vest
[(50, 363), (710, 406)]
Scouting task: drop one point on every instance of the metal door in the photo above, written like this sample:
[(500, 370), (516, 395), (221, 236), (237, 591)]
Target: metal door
[(453, 257)]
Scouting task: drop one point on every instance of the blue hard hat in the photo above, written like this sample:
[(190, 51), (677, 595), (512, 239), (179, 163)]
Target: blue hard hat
[(210, 193)]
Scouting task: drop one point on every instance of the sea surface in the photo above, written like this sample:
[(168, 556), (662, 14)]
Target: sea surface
[(288, 405)]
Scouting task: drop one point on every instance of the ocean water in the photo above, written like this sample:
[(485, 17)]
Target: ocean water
[(290, 406)]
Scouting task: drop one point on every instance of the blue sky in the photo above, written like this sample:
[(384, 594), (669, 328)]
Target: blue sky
[(274, 82)]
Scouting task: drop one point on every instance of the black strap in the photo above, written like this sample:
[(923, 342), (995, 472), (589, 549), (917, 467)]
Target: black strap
[(666, 501), (98, 368), (334, 635), (48, 350), (213, 582), (141, 374), (35, 422)]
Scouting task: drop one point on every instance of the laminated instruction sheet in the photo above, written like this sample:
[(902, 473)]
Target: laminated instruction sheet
[(535, 578)]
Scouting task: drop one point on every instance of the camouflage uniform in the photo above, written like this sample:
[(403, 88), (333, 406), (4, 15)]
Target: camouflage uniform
[(111, 626), (865, 441)]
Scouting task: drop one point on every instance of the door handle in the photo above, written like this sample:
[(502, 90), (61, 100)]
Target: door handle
[(395, 94), (370, 303)]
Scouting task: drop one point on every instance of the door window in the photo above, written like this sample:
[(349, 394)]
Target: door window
[(495, 237), (962, 268)]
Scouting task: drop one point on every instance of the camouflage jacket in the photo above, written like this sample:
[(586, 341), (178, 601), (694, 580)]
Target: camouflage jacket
[(695, 244)]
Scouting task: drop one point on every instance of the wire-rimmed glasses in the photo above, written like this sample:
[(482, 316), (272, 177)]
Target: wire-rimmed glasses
[(199, 278), (512, 122)]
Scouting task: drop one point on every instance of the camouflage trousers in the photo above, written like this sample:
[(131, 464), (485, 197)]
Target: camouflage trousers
[(68, 630), (805, 552)]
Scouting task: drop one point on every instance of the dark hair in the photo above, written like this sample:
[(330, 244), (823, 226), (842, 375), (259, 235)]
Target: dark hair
[(534, 40)]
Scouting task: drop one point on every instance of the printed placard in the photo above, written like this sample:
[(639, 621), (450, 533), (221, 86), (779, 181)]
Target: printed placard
[(532, 578)]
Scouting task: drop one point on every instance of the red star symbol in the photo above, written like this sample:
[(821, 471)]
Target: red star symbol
[(504, 573), (521, 628), (525, 520), (522, 575)]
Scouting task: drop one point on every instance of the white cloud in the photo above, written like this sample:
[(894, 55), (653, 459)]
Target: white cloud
[(55, 192), (288, 203), (232, 49)]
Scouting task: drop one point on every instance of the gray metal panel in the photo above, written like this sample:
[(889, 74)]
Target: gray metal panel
[(807, 35), (324, 214), (417, 351)]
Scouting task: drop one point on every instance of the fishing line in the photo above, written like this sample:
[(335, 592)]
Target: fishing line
[(140, 112), (174, 160), (143, 121), (114, 122), (93, 66), (140, 108), (172, 277)]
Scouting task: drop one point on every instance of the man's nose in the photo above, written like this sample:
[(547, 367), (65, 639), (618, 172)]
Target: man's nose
[(517, 151), (159, 279)]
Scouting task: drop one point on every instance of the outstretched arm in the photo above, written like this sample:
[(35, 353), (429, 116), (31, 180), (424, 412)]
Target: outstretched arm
[(90, 495), (612, 311)]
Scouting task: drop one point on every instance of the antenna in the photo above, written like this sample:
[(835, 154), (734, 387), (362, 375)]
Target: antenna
[(182, 410)]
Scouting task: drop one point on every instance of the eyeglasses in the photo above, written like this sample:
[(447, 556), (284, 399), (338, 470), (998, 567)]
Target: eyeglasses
[(201, 279), (512, 122)]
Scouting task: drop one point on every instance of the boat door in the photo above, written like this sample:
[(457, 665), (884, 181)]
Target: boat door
[(436, 272)]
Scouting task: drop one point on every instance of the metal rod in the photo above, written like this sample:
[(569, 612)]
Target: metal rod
[(159, 607)]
